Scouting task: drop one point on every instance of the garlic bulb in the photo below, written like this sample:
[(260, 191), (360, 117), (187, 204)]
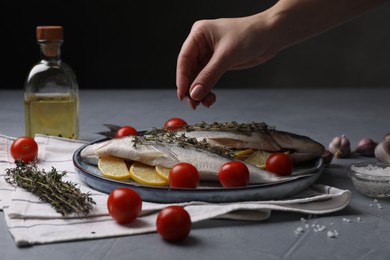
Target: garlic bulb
[(340, 146), (366, 147), (382, 150)]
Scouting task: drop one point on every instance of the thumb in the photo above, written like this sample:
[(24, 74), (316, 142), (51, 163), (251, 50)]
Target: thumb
[(206, 79)]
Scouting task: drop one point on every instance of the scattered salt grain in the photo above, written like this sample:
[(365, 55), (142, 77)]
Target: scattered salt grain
[(306, 226), (332, 234), (319, 228), (322, 228), (299, 230), (378, 205), (346, 220)]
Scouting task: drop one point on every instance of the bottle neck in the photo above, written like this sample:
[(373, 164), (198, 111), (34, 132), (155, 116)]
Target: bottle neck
[(50, 50)]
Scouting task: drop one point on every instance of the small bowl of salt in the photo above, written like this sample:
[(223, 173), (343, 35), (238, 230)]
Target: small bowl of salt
[(372, 179)]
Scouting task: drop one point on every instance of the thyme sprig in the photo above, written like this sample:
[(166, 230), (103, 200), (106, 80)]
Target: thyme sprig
[(161, 135), (230, 126), (64, 196)]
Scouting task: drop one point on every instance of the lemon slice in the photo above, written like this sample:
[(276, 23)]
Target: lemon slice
[(163, 172), (242, 153), (258, 158), (146, 174), (113, 168)]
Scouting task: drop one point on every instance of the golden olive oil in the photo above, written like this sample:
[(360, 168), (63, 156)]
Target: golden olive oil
[(51, 90), (51, 115)]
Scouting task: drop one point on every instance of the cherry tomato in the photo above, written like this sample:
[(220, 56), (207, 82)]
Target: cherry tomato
[(183, 175), (234, 174), (124, 205), (173, 223), (279, 163), (175, 124), (125, 131), (24, 148)]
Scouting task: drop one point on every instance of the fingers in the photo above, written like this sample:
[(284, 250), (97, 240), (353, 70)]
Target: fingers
[(201, 92), (187, 65), (208, 101), (199, 67), (182, 79), (193, 104), (206, 79)]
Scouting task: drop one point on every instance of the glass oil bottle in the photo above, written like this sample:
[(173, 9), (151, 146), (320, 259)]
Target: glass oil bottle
[(51, 101)]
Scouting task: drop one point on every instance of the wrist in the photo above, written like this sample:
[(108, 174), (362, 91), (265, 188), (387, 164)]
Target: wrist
[(293, 21), (286, 25), (268, 37)]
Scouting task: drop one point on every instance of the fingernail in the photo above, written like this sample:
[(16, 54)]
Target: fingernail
[(198, 92)]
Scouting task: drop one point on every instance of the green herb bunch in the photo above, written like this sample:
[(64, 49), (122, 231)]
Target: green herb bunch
[(63, 196)]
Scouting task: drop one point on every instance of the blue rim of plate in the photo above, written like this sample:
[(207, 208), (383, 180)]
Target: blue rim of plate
[(92, 177)]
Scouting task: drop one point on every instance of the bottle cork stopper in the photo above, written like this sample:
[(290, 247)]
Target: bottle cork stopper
[(50, 33)]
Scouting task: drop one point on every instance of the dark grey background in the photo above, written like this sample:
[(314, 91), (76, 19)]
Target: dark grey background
[(134, 44)]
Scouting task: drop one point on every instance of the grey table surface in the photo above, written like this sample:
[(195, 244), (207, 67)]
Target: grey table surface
[(318, 113)]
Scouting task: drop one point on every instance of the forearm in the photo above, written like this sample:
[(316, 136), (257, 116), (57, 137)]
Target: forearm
[(297, 20)]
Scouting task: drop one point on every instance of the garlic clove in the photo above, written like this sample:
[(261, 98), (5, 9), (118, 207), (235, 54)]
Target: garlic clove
[(382, 150), (366, 147), (340, 146)]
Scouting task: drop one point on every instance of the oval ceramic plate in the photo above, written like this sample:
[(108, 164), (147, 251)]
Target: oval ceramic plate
[(208, 192)]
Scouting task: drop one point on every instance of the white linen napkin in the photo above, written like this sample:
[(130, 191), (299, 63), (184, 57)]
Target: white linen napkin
[(31, 221)]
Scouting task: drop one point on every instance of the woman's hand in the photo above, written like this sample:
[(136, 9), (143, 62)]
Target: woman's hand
[(215, 46)]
